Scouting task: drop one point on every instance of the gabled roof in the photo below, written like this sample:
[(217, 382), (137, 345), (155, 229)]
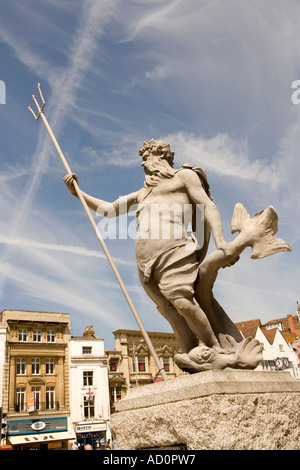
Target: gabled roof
[(269, 334), (248, 328), (290, 328)]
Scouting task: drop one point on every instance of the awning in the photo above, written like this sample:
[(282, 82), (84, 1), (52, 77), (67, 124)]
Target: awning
[(43, 437)]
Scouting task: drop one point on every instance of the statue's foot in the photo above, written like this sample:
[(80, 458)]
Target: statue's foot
[(247, 356), (186, 364)]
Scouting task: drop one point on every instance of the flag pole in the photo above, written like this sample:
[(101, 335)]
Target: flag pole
[(161, 369)]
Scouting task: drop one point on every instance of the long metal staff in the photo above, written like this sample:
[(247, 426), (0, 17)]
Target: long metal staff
[(98, 234)]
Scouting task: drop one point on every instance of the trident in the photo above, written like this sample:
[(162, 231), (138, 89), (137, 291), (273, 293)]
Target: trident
[(98, 234)]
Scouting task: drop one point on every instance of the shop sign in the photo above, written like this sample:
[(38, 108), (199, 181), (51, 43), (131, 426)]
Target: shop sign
[(32, 426), (92, 427), (38, 426)]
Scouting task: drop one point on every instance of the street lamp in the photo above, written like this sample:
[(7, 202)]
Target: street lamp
[(136, 362)]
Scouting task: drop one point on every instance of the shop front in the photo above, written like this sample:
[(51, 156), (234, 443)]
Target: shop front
[(93, 433), (39, 434)]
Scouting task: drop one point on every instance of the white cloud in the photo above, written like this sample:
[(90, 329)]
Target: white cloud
[(33, 244), (221, 155)]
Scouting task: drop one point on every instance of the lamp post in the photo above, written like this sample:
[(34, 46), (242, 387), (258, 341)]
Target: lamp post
[(136, 362)]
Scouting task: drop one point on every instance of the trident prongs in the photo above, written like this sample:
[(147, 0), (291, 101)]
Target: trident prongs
[(40, 108)]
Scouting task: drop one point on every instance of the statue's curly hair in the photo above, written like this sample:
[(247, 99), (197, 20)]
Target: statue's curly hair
[(163, 148)]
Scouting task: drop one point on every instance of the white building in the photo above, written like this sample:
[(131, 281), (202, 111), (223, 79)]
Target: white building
[(280, 339), (278, 354), (89, 390)]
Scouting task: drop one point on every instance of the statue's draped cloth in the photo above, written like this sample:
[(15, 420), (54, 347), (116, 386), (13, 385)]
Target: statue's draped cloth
[(174, 270)]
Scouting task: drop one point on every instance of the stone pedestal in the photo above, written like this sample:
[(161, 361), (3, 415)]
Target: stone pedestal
[(213, 410)]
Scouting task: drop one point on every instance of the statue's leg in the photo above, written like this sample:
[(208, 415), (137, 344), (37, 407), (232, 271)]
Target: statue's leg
[(187, 340), (197, 320), (221, 324)]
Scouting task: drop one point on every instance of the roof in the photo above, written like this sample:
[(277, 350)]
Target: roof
[(138, 333), (269, 334), (248, 328), (290, 328), (290, 324)]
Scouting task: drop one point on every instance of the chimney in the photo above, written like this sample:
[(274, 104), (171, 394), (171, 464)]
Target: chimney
[(291, 324), (89, 331)]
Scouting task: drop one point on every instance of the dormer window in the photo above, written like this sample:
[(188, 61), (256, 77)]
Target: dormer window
[(271, 326)]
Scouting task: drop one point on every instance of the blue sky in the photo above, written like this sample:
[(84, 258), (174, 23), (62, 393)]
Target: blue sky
[(212, 78)]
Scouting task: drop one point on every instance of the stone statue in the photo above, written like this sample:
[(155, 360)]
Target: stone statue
[(173, 267)]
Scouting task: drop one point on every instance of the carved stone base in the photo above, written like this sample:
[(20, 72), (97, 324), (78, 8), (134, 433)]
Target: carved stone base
[(213, 410)]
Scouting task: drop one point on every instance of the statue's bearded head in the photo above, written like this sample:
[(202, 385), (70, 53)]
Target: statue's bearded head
[(157, 160)]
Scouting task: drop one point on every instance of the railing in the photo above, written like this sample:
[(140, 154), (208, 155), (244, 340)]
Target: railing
[(41, 406)]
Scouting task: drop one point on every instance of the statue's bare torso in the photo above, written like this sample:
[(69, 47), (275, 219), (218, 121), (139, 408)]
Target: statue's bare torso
[(163, 214)]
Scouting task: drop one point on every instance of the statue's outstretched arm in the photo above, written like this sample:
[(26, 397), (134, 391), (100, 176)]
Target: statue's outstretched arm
[(107, 209)]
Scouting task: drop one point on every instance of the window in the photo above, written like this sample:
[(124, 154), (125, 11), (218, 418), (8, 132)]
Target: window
[(35, 366), (89, 407), (166, 363), (141, 364), (274, 325), (37, 335), (20, 403), (23, 334), (87, 378), (281, 348), (49, 366), (51, 336), (21, 366), (115, 394), (87, 350), (113, 364), (50, 398), (141, 361), (37, 397)]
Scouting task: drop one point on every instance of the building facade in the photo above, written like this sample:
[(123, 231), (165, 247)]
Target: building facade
[(2, 359), (280, 339), (89, 392), (131, 364), (36, 379)]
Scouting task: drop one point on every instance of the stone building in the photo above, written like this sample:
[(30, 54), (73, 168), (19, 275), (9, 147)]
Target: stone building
[(131, 364), (2, 359), (89, 392), (36, 379)]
